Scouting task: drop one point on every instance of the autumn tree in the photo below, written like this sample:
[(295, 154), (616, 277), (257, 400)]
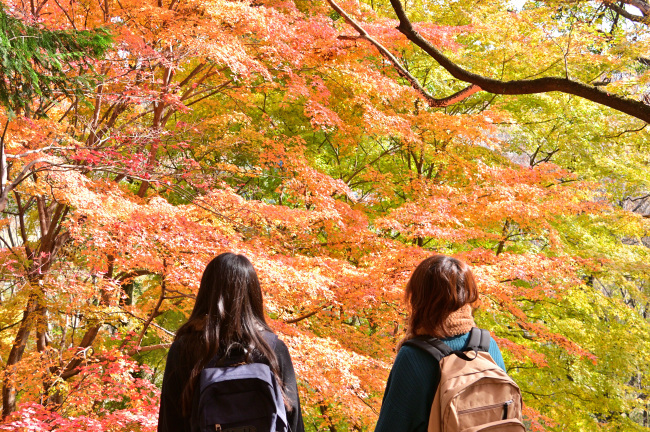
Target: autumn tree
[(336, 160)]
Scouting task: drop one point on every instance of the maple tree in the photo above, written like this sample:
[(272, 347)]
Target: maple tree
[(274, 129)]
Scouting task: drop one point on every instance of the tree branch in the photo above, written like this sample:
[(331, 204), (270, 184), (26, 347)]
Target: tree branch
[(3, 161), (141, 349), (624, 13), (307, 315), (24, 174), (641, 5), (432, 101), (155, 312), (520, 87)]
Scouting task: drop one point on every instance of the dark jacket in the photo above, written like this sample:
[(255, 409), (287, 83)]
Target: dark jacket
[(177, 373), (412, 385)]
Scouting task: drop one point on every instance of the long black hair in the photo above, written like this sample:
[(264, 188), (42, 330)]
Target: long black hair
[(227, 319)]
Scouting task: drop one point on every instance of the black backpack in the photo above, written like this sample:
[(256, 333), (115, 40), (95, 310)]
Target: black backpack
[(239, 398)]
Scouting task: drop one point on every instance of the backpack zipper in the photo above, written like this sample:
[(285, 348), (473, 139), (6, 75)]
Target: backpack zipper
[(505, 406)]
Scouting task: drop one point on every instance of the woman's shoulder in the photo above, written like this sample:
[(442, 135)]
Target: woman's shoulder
[(276, 344), (410, 356), (414, 365), (175, 347), (182, 342), (269, 337)]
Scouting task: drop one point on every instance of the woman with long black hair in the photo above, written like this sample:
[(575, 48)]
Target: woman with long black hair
[(227, 321), (440, 295)]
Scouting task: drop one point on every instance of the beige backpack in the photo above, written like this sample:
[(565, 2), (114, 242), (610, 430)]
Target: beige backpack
[(474, 395)]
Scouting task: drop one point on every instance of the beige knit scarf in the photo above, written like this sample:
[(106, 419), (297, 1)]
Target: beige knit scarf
[(457, 323), (460, 321)]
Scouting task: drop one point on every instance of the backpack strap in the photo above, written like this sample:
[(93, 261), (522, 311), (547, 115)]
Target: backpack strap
[(433, 346), (479, 340), (485, 340)]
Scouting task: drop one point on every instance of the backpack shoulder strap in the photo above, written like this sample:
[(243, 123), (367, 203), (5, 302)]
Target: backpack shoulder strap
[(433, 346), (479, 340)]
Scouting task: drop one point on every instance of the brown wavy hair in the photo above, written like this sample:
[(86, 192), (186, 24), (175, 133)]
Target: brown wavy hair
[(438, 286)]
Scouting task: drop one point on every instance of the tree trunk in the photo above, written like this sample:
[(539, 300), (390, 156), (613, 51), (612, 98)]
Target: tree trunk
[(16, 354)]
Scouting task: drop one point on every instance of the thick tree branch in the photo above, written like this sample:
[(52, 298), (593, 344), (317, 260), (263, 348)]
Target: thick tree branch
[(432, 101), (307, 315), (624, 13), (520, 87), (15, 355), (641, 5)]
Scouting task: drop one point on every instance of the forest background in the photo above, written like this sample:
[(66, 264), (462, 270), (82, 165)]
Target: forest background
[(336, 144)]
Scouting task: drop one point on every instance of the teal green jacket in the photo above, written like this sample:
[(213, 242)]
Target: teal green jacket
[(412, 384)]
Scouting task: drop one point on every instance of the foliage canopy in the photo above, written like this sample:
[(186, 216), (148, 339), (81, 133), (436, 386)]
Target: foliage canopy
[(336, 154)]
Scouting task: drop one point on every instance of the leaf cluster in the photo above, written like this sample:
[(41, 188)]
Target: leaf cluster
[(40, 62)]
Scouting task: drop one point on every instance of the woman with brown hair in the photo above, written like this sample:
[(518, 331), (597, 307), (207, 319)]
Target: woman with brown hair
[(440, 294)]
